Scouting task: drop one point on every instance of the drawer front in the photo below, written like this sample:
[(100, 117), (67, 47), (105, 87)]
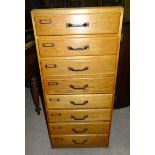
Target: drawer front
[(79, 85), (77, 24), (81, 66), (79, 128), (79, 101), (79, 115), (80, 140), (77, 46)]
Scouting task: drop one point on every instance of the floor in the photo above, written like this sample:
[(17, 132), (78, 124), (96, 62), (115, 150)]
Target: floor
[(37, 140)]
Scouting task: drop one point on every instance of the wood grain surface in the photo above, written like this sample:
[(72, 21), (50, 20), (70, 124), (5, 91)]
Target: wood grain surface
[(80, 140), (56, 24), (79, 66), (77, 45), (79, 85), (78, 53), (79, 101), (79, 115), (79, 128)]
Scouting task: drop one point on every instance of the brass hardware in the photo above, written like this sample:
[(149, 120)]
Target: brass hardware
[(56, 114), (54, 100), (45, 21), (52, 83), (48, 44), (59, 127), (51, 66)]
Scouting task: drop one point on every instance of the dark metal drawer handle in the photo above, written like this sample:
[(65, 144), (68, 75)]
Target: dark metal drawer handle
[(72, 102), (82, 131), (51, 66), (68, 25), (77, 70), (45, 21), (80, 48), (84, 117), (75, 142), (52, 83), (73, 87), (48, 44)]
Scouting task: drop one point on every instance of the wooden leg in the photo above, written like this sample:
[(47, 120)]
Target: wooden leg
[(35, 93), (107, 146)]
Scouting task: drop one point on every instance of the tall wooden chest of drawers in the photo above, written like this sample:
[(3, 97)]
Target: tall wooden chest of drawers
[(78, 52)]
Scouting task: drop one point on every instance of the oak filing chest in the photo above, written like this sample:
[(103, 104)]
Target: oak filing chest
[(78, 51)]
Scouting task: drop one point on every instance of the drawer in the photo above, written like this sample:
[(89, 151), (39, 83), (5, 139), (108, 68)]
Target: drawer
[(58, 24), (80, 140), (79, 128), (79, 66), (50, 46), (79, 101), (79, 85), (79, 115)]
